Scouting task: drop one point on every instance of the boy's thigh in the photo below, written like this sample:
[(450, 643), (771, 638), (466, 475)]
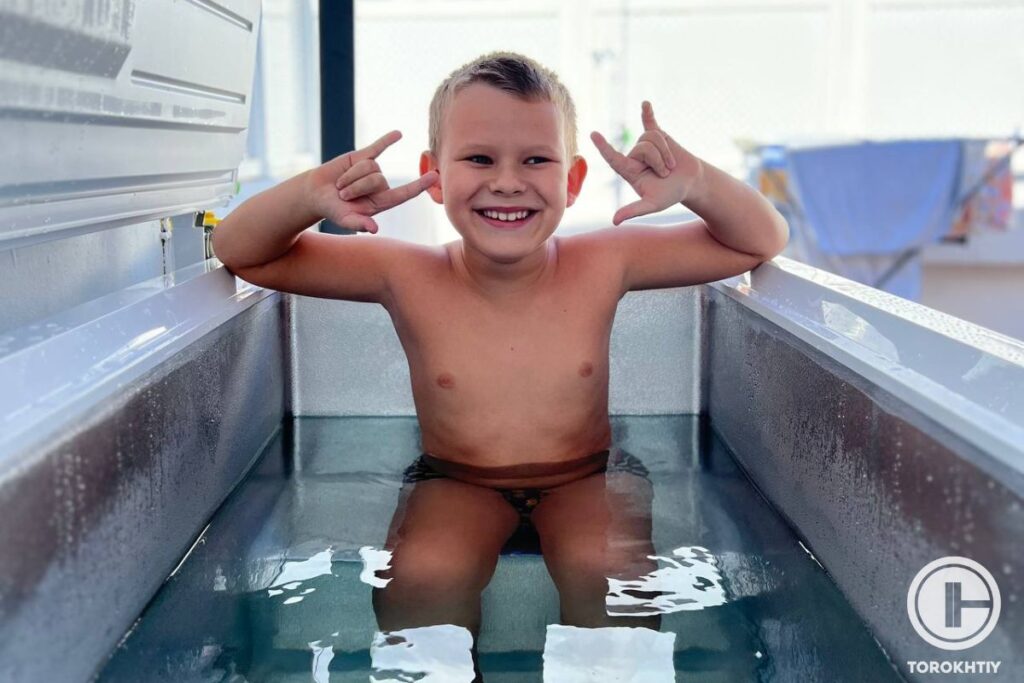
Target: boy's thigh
[(598, 524), (448, 520)]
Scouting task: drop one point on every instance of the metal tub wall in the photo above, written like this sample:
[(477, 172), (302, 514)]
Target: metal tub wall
[(103, 511), (877, 488)]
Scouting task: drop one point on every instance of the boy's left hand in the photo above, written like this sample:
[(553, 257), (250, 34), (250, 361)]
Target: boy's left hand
[(657, 167)]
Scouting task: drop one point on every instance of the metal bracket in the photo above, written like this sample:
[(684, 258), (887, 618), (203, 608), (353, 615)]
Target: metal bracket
[(207, 220)]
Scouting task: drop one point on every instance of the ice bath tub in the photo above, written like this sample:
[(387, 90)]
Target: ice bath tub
[(884, 434), (279, 586)]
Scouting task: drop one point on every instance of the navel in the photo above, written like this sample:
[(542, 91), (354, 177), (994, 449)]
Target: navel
[(445, 380), (586, 369)]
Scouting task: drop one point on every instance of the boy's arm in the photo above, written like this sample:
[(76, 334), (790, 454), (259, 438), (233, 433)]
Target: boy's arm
[(264, 241), (738, 228)]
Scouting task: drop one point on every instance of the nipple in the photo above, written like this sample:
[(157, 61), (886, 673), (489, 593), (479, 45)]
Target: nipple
[(445, 380), (586, 370)]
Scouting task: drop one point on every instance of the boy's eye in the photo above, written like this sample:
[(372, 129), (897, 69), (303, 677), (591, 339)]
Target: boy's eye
[(484, 159)]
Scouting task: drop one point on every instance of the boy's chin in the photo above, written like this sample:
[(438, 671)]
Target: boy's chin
[(505, 249)]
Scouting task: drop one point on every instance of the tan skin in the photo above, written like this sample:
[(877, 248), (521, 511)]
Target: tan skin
[(506, 331)]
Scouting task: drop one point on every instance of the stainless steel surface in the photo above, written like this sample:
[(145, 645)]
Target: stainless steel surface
[(876, 487), (963, 376), (347, 359), (41, 280), (118, 111), (64, 366), (104, 508), (656, 355)]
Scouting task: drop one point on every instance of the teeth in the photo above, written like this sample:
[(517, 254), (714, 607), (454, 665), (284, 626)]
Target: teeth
[(502, 216)]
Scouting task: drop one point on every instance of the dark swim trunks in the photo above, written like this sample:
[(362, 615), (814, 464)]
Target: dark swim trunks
[(524, 500)]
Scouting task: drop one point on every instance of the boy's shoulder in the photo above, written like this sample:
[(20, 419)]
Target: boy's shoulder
[(592, 249)]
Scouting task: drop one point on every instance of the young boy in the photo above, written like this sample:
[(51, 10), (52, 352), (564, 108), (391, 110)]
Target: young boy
[(506, 330)]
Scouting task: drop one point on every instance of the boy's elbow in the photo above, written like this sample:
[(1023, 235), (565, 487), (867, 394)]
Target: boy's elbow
[(220, 247), (224, 249), (780, 235), (783, 234)]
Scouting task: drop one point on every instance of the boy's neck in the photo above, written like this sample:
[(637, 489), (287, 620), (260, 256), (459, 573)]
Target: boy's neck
[(494, 279)]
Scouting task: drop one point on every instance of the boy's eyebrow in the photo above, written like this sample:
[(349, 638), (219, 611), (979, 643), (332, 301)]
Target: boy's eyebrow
[(468, 147)]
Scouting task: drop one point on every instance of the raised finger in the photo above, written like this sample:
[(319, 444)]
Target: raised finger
[(374, 149), (647, 116), (617, 160), (648, 154), (367, 185), (403, 193), (657, 138), (357, 171)]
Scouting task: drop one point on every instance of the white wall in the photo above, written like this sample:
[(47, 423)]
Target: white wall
[(981, 281)]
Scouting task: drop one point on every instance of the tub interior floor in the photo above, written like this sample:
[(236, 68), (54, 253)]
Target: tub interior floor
[(278, 587)]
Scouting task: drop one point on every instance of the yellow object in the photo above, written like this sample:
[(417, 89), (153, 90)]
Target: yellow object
[(206, 219)]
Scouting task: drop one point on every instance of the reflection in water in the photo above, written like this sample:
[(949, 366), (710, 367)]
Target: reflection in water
[(374, 561), (322, 656), (429, 654), (303, 570), (691, 582), (612, 653), (293, 573)]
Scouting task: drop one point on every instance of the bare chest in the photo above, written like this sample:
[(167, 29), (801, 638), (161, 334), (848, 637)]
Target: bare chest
[(465, 349), (494, 379), (515, 356)]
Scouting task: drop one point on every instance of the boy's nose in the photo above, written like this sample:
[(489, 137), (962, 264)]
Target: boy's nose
[(507, 181)]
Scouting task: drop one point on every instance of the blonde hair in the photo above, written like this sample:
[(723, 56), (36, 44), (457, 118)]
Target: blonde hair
[(513, 73)]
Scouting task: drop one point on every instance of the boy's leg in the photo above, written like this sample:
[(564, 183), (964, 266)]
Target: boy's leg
[(445, 539), (593, 529)]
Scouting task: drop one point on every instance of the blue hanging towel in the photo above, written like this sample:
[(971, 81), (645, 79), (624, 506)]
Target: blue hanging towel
[(876, 197)]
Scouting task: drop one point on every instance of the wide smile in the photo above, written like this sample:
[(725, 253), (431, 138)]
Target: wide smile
[(511, 220)]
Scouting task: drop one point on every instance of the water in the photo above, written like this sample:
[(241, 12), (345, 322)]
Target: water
[(278, 587)]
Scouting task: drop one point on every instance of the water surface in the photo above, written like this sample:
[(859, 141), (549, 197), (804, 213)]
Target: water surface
[(278, 587)]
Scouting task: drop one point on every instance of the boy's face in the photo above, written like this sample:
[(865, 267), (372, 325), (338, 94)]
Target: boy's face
[(501, 153)]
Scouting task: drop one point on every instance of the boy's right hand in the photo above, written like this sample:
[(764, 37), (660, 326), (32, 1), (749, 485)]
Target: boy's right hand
[(350, 188)]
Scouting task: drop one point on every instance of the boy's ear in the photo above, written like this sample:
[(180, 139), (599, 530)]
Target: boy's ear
[(428, 162), (577, 172)]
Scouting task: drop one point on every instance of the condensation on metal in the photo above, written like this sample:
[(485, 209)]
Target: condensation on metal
[(961, 375), (876, 487), (347, 359), (71, 362), (106, 510)]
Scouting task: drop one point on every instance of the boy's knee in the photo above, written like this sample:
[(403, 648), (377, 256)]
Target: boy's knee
[(428, 569), (576, 562)]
